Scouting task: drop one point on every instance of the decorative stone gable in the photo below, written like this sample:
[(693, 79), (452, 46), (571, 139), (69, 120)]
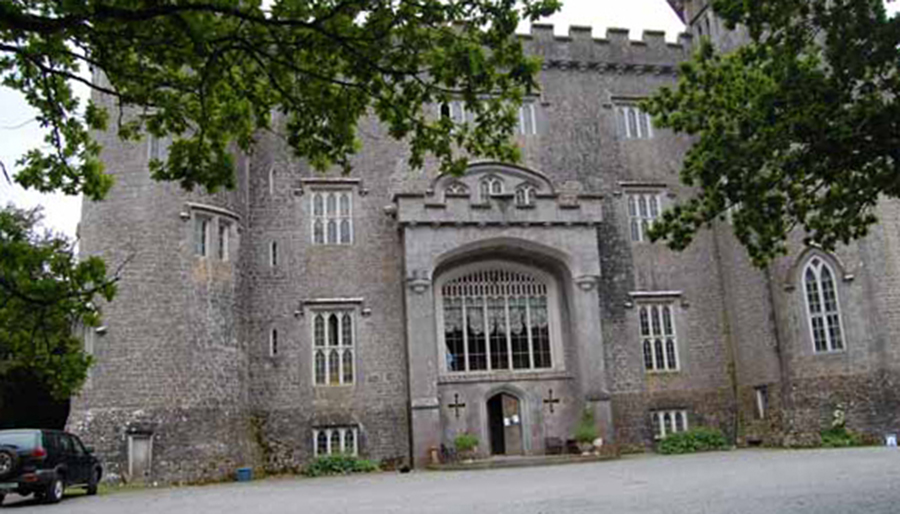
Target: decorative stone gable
[(492, 194)]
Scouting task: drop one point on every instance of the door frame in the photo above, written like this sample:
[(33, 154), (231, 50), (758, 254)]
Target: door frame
[(523, 415)]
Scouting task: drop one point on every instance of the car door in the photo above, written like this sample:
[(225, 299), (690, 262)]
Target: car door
[(83, 459), (74, 471)]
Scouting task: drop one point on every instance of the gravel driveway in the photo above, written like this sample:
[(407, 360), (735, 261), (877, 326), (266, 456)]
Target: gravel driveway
[(852, 481)]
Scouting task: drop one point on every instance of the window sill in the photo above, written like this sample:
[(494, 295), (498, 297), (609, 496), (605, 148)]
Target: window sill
[(662, 372), (829, 352), (502, 376)]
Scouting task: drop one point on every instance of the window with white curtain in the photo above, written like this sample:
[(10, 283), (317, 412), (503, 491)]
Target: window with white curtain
[(332, 217), (333, 336), (496, 319), (822, 306)]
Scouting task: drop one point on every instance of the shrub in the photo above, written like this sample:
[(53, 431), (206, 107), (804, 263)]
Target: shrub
[(338, 465), (700, 439), (465, 442), (586, 430), (839, 437)]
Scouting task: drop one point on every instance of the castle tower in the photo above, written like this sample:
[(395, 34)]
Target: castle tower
[(167, 396)]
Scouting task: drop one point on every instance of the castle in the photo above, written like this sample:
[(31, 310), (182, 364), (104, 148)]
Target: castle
[(384, 312)]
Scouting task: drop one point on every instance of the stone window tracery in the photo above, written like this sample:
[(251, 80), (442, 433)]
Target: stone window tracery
[(332, 217), (489, 186), (667, 422), (643, 211), (525, 195), (822, 307), (496, 319), (456, 189), (633, 123), (336, 440), (333, 348), (659, 344)]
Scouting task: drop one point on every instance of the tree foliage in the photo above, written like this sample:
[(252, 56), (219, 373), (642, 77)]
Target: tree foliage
[(799, 129), (45, 293), (211, 72)]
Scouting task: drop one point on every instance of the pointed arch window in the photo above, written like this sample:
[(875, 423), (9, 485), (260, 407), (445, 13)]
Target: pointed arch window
[(496, 319), (822, 306), (332, 217), (525, 195), (667, 422), (659, 344), (456, 189), (643, 211), (333, 348), (489, 186), (336, 440)]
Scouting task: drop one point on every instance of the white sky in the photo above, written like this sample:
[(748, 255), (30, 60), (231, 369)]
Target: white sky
[(19, 132)]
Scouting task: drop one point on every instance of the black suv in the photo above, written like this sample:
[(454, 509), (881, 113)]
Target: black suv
[(45, 463)]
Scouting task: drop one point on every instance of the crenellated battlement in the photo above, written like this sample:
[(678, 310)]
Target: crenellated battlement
[(617, 51)]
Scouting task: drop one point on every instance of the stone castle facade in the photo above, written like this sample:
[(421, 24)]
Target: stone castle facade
[(384, 312)]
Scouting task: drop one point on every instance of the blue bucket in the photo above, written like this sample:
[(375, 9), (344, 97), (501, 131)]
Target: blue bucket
[(244, 474)]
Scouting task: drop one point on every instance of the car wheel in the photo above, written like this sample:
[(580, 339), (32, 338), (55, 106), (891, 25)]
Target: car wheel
[(95, 481), (2, 497), (7, 462), (55, 490)]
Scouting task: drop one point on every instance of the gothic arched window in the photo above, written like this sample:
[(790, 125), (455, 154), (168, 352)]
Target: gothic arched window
[(332, 219), (496, 319), (333, 348), (489, 186), (659, 344), (525, 195), (822, 307)]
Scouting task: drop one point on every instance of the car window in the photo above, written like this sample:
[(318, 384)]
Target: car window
[(77, 448), (51, 443), (66, 444), (20, 440)]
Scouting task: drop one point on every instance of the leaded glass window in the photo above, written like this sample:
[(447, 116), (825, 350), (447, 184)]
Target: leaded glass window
[(659, 344), (333, 348), (332, 217), (336, 440), (822, 307), (643, 211), (665, 422), (633, 123), (496, 319)]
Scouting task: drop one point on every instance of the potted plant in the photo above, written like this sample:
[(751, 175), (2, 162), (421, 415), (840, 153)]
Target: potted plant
[(466, 446), (586, 432)]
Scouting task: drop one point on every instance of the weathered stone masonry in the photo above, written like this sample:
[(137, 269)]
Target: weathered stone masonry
[(187, 360)]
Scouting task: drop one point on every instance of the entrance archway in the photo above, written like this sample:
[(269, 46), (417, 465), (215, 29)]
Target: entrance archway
[(505, 424)]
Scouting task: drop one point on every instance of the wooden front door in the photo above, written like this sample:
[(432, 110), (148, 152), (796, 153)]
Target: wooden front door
[(505, 424)]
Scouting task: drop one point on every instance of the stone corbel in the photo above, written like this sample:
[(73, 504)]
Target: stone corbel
[(587, 282), (418, 282)]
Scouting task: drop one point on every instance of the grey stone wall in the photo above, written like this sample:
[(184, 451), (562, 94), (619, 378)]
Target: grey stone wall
[(185, 356)]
